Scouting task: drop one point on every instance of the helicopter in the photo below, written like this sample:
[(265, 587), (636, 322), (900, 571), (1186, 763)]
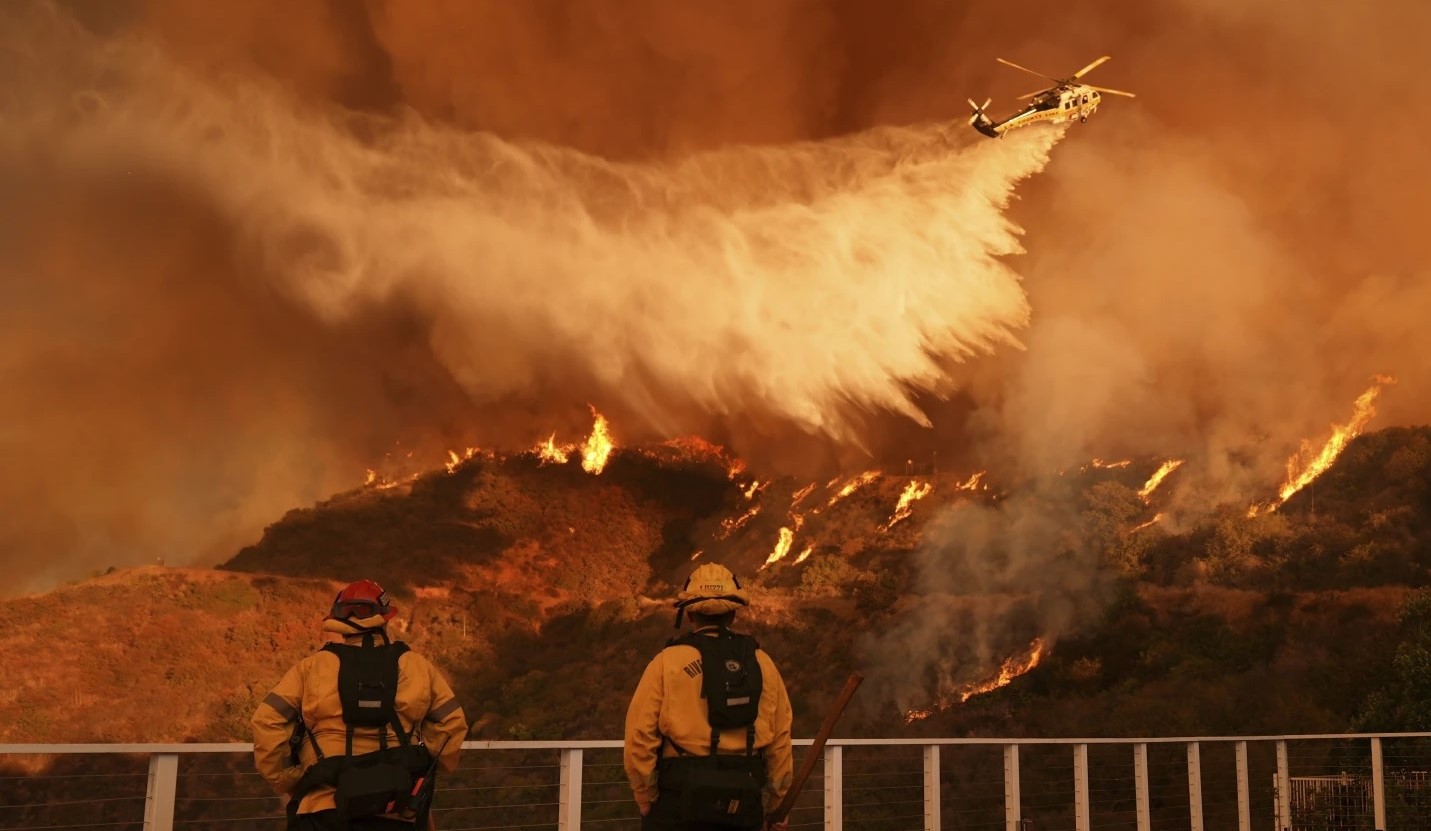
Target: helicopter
[(1065, 100)]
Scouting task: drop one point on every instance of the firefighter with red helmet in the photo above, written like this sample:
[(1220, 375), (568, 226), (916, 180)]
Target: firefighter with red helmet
[(356, 733)]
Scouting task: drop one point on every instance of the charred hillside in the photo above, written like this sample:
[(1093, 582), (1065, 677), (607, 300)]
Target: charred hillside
[(1084, 603)]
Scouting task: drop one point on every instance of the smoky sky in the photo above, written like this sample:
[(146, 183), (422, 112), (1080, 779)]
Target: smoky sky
[(249, 248)]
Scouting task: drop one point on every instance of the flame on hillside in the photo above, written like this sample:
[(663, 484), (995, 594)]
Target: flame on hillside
[(454, 460), (850, 487), (730, 526), (1102, 465), (598, 445), (1308, 463), (801, 494), (804, 554), (782, 547), (1156, 518), (974, 482), (913, 492), (1158, 476), (1011, 668)]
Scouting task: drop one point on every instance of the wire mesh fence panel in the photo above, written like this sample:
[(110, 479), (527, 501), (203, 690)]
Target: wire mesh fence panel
[(1046, 787), (225, 788), (972, 787), (883, 788), (1330, 785), (1112, 795), (1168, 803), (500, 789), (103, 792), (1407, 765)]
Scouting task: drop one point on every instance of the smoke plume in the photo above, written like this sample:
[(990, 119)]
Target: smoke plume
[(249, 231), (251, 245)]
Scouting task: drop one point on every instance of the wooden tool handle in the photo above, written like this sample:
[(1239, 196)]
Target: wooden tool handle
[(798, 783)]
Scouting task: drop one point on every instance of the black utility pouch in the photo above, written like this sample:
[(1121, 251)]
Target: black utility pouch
[(722, 790)]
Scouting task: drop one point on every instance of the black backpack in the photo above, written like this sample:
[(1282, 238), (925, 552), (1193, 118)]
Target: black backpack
[(390, 780), (723, 789)]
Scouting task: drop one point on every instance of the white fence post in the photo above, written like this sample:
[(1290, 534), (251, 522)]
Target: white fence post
[(1195, 785), (834, 787), (569, 810), (1244, 794), (931, 787), (1378, 786), (1140, 786), (159, 797), (1284, 788), (1013, 804), (1082, 820)]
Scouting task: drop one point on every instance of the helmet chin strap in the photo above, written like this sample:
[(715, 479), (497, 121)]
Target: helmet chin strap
[(681, 605)]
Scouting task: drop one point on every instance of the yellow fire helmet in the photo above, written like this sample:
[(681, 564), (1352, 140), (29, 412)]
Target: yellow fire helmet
[(710, 590)]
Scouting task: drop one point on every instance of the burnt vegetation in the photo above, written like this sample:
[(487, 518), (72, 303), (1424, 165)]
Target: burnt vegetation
[(542, 591)]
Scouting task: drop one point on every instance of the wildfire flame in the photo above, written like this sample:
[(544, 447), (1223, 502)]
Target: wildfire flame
[(598, 445), (913, 492), (730, 526), (804, 554), (801, 494), (851, 486), (1156, 518), (1012, 668), (1099, 463), (454, 460), (973, 483), (1307, 464), (1158, 476), (595, 451), (549, 453), (753, 489), (782, 547)]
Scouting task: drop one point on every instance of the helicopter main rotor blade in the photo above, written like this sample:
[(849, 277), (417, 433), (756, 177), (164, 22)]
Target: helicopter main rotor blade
[(1113, 91), (1035, 92), (1026, 69), (1084, 71)]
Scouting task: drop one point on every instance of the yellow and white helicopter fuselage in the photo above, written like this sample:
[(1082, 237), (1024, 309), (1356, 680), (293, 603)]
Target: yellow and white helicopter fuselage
[(1076, 103), (1067, 99)]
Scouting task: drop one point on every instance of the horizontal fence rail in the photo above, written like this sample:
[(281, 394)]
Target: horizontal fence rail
[(1370, 782)]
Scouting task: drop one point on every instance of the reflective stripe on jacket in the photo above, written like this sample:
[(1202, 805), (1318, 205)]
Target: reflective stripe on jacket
[(668, 702)]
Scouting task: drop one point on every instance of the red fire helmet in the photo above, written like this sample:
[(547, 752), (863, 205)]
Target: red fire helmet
[(362, 599)]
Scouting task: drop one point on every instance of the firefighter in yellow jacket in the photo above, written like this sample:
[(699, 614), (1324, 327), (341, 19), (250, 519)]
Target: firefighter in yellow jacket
[(356, 697), (711, 688)]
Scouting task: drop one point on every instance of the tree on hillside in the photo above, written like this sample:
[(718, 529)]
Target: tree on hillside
[(1404, 702)]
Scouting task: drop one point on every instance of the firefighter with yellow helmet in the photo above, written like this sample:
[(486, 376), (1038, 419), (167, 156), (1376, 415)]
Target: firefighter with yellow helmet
[(355, 733), (709, 690)]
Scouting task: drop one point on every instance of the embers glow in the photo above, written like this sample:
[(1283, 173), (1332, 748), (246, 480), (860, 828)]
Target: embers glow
[(913, 492), (1308, 463), (730, 526), (754, 488), (801, 494), (454, 460), (1099, 463), (1011, 668), (1158, 476), (782, 547)]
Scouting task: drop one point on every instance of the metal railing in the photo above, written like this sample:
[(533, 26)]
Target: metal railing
[(1289, 783)]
